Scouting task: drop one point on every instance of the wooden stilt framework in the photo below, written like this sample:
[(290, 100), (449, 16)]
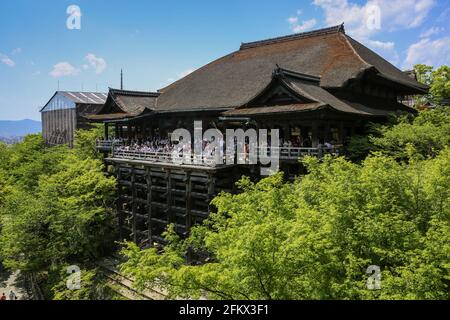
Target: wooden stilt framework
[(151, 197)]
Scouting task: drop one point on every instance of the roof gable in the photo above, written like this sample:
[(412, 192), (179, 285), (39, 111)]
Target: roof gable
[(127, 104), (306, 95), (280, 91)]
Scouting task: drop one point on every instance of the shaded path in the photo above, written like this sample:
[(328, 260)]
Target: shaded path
[(15, 282)]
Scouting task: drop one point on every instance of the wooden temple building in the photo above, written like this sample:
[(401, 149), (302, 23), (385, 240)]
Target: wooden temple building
[(315, 87)]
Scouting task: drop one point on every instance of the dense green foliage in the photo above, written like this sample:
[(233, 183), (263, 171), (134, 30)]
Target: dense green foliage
[(438, 80), (427, 135), (54, 205), (92, 286), (316, 237)]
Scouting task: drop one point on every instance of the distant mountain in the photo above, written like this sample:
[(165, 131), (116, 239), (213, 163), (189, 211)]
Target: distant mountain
[(20, 128)]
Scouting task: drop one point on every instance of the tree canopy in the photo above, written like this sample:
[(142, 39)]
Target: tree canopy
[(55, 205), (438, 80), (315, 238)]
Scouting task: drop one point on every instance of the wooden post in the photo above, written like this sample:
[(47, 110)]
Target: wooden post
[(119, 205), (188, 183), (106, 131), (117, 131), (211, 188), (149, 205), (341, 132), (315, 135), (170, 217), (133, 203)]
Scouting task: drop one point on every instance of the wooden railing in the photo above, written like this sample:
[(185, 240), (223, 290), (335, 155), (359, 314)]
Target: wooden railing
[(284, 153), (163, 157), (107, 145)]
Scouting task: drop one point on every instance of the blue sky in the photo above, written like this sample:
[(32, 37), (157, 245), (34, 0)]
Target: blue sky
[(157, 42)]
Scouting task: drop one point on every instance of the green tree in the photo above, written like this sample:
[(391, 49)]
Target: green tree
[(438, 80), (440, 87), (67, 220), (85, 142), (428, 134), (315, 238), (55, 208), (28, 160)]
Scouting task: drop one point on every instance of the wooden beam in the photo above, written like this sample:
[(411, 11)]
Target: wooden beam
[(188, 200), (149, 204), (133, 204), (119, 206), (170, 216)]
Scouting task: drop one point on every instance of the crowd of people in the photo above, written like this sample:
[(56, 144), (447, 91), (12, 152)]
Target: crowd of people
[(166, 146), (161, 146), (155, 145), (296, 142)]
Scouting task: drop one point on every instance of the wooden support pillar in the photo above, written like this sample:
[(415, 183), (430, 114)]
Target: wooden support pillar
[(286, 132), (119, 205), (342, 134), (315, 134), (149, 205), (133, 203), (170, 216), (327, 135), (211, 188), (106, 131), (188, 183)]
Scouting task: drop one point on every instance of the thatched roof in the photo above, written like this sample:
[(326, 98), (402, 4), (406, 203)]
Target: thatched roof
[(314, 63), (234, 79)]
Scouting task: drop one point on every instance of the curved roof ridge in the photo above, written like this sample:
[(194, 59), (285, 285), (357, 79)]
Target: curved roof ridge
[(314, 33), (134, 93)]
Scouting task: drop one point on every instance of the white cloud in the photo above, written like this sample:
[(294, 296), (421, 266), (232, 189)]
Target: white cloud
[(297, 27), (381, 45), (304, 26), (385, 49), (394, 14), (99, 64), (7, 60), (64, 69), (430, 52), (36, 73), (431, 32), (293, 20)]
